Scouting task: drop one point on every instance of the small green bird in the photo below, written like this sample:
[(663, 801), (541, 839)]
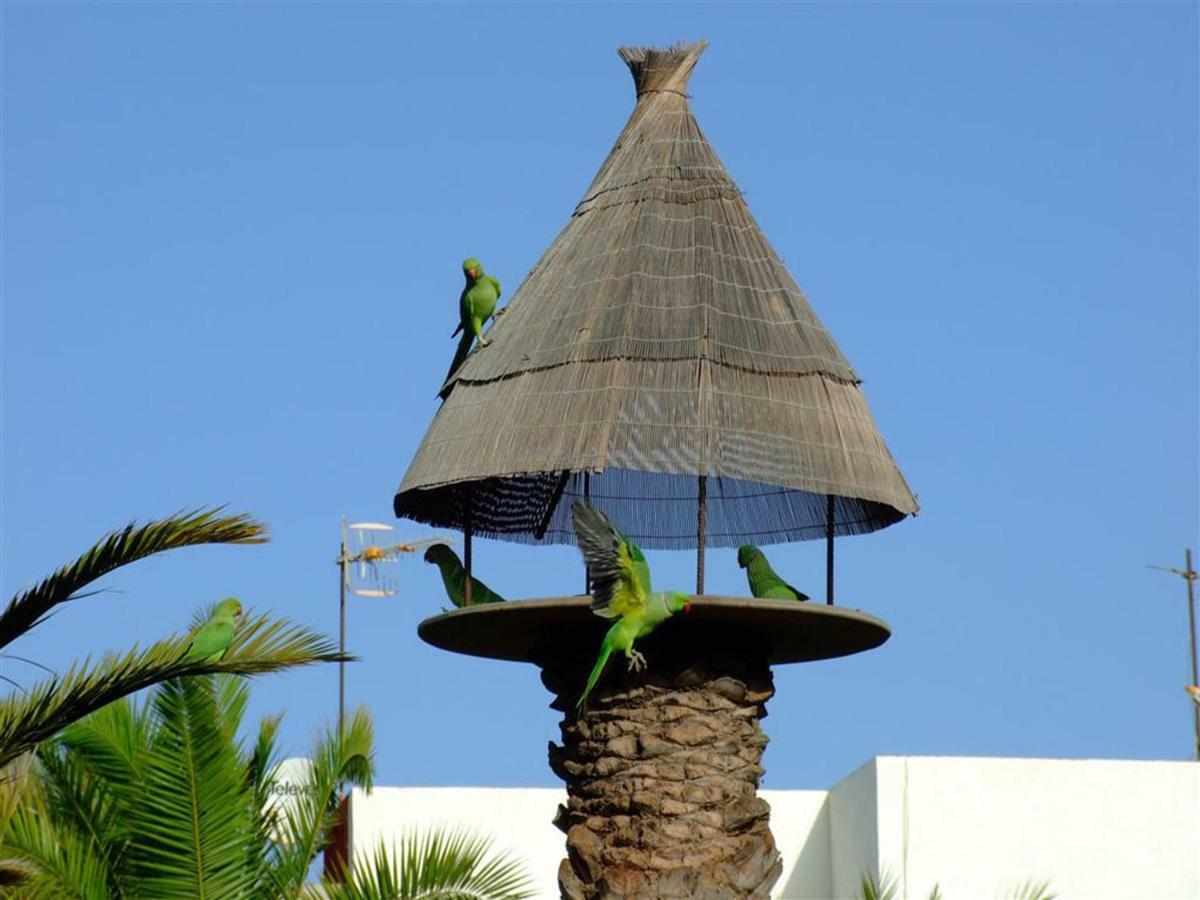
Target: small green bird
[(476, 305), (213, 638), (454, 576), (763, 580), (621, 590)]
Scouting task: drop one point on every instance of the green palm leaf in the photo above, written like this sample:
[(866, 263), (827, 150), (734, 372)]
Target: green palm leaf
[(447, 865), (1033, 890), (337, 759), (261, 645), (193, 813), (133, 542), (884, 887), (58, 862)]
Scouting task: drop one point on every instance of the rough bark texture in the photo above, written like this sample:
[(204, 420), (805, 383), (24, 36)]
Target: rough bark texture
[(662, 775)]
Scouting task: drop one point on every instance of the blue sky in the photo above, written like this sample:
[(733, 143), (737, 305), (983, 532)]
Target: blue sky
[(232, 236)]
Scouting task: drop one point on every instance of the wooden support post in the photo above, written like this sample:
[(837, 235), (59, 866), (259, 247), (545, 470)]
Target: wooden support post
[(701, 532), (829, 507), (587, 501), (468, 528)]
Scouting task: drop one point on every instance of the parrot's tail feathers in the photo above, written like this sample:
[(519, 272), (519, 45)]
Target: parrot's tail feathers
[(605, 652), (455, 332), (464, 348)]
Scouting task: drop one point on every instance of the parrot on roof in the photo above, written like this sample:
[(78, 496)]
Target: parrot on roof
[(620, 578), (454, 577), (764, 582), (476, 305), (213, 638)]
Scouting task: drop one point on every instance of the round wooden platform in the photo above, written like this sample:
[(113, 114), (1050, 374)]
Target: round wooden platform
[(534, 630)]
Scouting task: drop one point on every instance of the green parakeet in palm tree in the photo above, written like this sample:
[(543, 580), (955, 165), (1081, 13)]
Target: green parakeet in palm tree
[(763, 580), (620, 590), (476, 305), (454, 576), (213, 638)]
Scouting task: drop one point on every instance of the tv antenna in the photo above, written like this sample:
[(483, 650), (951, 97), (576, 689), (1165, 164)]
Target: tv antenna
[(1188, 574), (367, 550)]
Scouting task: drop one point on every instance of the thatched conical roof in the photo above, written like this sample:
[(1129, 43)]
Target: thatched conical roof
[(659, 338)]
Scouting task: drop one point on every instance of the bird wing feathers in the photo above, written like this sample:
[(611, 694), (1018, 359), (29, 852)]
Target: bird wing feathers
[(619, 573)]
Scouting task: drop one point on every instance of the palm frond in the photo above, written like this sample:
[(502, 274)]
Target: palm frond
[(56, 862), (1032, 890), (883, 887), (111, 744), (336, 760), (261, 645), (263, 756), (119, 548), (233, 696), (193, 814), (84, 805), (439, 863)]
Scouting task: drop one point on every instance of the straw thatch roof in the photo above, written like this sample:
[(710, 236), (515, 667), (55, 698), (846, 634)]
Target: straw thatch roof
[(657, 339)]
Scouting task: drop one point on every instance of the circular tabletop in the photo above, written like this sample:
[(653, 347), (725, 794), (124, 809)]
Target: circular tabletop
[(526, 630)]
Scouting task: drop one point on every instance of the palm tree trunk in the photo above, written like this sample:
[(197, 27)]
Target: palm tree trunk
[(662, 774)]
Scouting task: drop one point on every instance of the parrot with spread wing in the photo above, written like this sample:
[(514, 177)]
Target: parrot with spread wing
[(476, 305), (213, 638), (620, 578), (764, 582), (454, 577)]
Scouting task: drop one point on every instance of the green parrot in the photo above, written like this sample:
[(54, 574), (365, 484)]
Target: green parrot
[(454, 576), (476, 305), (212, 639), (763, 580), (620, 590)]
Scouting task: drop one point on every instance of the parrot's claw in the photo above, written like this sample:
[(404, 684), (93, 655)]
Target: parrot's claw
[(637, 662), (500, 312)]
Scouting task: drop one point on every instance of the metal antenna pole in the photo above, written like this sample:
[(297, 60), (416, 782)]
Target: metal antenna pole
[(1188, 574), (1190, 578), (342, 632)]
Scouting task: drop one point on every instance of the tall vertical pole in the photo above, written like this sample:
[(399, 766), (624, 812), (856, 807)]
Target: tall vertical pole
[(342, 632), (468, 528), (1190, 577), (829, 507), (701, 531), (587, 501)]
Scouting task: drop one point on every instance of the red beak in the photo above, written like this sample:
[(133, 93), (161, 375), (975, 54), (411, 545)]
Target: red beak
[(472, 272), (687, 607)]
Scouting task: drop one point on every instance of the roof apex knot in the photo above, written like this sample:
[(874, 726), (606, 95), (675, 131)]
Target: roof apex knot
[(662, 69)]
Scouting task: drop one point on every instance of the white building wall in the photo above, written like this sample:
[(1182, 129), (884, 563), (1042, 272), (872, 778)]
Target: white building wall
[(1095, 829), (977, 827)]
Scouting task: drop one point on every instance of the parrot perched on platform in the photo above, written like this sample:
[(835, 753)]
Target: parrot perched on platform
[(454, 576), (620, 580), (213, 638), (763, 580), (476, 304)]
